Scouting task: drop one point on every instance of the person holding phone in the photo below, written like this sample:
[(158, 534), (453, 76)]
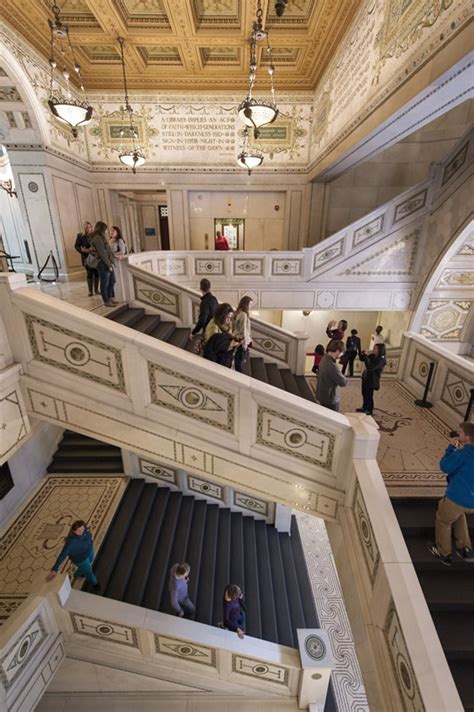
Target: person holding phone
[(458, 463)]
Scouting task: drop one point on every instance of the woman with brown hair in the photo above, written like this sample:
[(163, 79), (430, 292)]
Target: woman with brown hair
[(116, 242), (79, 547), (241, 328), (219, 339), (105, 260)]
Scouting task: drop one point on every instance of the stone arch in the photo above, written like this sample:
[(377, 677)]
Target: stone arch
[(445, 310), (27, 123)]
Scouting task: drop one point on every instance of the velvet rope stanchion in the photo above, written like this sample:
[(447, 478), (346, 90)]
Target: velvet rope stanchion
[(469, 407), (55, 268), (424, 403)]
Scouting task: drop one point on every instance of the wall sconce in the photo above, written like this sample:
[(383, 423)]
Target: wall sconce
[(277, 208), (307, 312)]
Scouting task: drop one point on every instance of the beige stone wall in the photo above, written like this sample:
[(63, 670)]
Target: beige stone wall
[(372, 183)]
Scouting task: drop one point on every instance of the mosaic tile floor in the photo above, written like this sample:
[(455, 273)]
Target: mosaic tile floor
[(412, 440), (30, 545)]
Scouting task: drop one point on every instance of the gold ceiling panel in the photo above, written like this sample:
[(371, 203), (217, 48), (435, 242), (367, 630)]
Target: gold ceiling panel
[(200, 39)]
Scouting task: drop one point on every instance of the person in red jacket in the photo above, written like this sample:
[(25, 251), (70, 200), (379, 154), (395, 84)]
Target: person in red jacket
[(222, 243)]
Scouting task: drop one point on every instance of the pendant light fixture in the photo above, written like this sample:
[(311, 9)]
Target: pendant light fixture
[(72, 112), (134, 157), (249, 159), (256, 113)]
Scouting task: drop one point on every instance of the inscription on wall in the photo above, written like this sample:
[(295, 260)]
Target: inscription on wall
[(199, 133)]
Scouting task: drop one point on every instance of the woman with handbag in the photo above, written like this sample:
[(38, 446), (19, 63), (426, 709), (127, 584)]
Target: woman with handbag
[(219, 340), (83, 246), (103, 258)]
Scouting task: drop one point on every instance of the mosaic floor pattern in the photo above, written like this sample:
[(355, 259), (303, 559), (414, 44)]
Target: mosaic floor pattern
[(30, 545), (412, 440)]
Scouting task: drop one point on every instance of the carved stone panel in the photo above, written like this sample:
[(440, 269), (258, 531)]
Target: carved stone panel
[(270, 345), (456, 392), (104, 630), (185, 650), (366, 535), (401, 663), (455, 164), (367, 231), (214, 265), (420, 368), (295, 438), (13, 423), (246, 501), (410, 206), (156, 296), (269, 672), (282, 267), (71, 351), (328, 255), (251, 267), (197, 400), (158, 472), (19, 653), (456, 279), (171, 267), (392, 258), (208, 489)]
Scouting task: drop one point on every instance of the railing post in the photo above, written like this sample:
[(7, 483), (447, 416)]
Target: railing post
[(317, 663), (301, 338)]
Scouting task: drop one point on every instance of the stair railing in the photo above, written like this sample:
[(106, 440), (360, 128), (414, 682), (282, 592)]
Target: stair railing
[(161, 295), (59, 621)]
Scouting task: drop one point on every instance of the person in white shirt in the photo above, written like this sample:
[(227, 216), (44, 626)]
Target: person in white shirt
[(241, 328), (377, 338)]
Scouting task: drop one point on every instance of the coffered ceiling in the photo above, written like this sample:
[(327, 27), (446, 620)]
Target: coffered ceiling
[(188, 44)]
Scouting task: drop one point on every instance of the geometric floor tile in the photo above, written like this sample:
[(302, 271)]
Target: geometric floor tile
[(412, 439), (30, 545)]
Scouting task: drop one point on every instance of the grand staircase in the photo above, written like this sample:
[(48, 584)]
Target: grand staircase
[(77, 453), (155, 326), (449, 591)]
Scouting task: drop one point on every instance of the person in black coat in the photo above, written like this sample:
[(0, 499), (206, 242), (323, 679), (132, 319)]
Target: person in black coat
[(207, 308), (374, 364), (353, 347), (83, 246)]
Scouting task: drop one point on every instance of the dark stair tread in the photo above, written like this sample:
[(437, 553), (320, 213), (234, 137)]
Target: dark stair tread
[(257, 369), (82, 453), (304, 388), (280, 597), (265, 584), (131, 547), (456, 632), (82, 441), (251, 593), (450, 587), (180, 544), (222, 567), (418, 514), (461, 671), (237, 574), (142, 565), (292, 587), (304, 584), (147, 323), (158, 575), (423, 560), (204, 602), (129, 317), (289, 381), (112, 315), (98, 465), (195, 544), (163, 331), (107, 556), (273, 376), (179, 337)]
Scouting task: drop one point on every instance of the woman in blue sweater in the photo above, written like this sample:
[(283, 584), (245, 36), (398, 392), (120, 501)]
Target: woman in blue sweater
[(78, 546), (458, 463)]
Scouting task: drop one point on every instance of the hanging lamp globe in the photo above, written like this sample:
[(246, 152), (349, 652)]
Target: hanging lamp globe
[(250, 160), (70, 112), (133, 159), (256, 113)]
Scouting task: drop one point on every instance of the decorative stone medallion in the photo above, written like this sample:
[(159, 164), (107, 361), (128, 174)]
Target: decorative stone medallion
[(186, 650), (315, 647)]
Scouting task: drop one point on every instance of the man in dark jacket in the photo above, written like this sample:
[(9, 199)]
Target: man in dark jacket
[(458, 463), (353, 347), (330, 379), (206, 308), (374, 364)]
